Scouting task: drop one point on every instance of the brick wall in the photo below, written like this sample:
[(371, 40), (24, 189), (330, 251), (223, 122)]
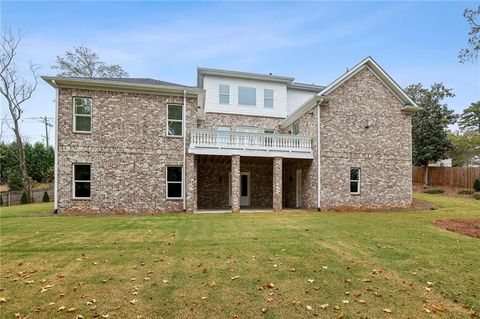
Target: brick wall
[(128, 151)]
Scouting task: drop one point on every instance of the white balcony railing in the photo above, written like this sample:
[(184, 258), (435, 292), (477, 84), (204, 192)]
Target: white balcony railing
[(244, 141)]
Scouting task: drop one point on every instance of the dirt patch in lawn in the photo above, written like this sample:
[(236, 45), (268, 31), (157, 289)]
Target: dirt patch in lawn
[(469, 227), (447, 190)]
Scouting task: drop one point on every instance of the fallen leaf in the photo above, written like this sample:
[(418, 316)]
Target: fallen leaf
[(78, 317), (309, 308), (325, 267), (310, 280), (362, 301), (165, 281), (235, 277), (264, 310), (71, 309), (387, 310), (345, 301), (430, 283), (61, 308), (324, 306), (3, 300), (133, 301)]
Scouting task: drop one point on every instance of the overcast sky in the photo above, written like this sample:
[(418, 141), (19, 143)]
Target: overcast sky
[(312, 41)]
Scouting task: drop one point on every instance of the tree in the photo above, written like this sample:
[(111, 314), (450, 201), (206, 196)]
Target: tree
[(470, 118), (83, 62), (473, 19), (465, 147), (430, 140), (16, 91)]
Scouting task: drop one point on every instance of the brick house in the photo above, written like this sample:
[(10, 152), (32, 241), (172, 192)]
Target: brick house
[(235, 140)]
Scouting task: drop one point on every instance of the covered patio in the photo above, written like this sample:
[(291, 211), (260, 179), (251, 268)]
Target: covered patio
[(245, 183)]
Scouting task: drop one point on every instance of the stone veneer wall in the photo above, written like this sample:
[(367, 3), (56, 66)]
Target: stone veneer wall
[(128, 151), (212, 120), (383, 151), (213, 184)]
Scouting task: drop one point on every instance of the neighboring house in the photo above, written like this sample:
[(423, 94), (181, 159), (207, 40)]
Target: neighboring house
[(442, 163), (236, 140)]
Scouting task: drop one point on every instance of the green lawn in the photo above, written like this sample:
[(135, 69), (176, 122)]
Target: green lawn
[(219, 266)]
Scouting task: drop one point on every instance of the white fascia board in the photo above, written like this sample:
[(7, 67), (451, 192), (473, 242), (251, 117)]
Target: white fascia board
[(245, 75), (105, 84), (251, 153)]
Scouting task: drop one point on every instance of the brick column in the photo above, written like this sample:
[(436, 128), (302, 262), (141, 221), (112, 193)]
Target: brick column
[(277, 184), (235, 183)]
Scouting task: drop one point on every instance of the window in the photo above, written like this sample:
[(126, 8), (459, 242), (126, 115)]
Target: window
[(296, 128), (174, 182), (247, 95), (81, 181), (82, 114), (224, 94), (268, 98), (269, 131), (174, 118), (355, 180)]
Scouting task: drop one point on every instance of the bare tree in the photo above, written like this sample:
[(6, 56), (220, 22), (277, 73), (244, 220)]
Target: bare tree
[(83, 62), (16, 91), (471, 53)]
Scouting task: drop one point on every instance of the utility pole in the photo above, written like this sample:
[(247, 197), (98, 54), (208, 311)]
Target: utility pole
[(47, 123)]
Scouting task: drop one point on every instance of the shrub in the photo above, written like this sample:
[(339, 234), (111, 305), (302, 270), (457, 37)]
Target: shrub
[(476, 185), (46, 198), (476, 196), (465, 192), (434, 191), (24, 199), (1, 200), (15, 180)]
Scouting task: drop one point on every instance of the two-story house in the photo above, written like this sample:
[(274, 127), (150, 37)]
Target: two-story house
[(236, 140)]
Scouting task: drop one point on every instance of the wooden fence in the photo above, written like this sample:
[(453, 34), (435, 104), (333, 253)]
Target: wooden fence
[(447, 176), (13, 197)]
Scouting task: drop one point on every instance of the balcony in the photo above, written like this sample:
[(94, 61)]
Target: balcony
[(212, 142)]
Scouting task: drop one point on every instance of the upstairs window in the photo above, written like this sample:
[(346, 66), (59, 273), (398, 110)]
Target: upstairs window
[(296, 128), (174, 120), (354, 180), (174, 182), (247, 96), (268, 98), (81, 181), (82, 114), (224, 94)]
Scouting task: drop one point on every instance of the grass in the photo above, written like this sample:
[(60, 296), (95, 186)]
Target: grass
[(181, 266)]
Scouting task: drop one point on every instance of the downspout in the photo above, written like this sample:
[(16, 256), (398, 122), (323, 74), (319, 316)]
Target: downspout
[(184, 130), (318, 156), (55, 167)]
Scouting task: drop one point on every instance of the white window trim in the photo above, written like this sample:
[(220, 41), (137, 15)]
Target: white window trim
[(269, 98), (167, 182), (180, 121), (247, 87), (81, 180), (354, 180), (74, 128), (224, 94)]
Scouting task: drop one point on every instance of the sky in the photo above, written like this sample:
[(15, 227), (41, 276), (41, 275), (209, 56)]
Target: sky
[(315, 42)]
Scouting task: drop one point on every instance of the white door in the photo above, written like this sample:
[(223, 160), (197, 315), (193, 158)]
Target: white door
[(244, 189), (223, 138), (299, 190)]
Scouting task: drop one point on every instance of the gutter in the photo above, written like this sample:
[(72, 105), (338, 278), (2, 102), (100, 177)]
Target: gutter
[(55, 167), (318, 157), (184, 117)]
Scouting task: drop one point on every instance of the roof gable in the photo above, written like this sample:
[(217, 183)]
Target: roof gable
[(387, 81)]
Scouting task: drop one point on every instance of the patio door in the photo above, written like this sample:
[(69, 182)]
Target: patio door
[(299, 189), (244, 189)]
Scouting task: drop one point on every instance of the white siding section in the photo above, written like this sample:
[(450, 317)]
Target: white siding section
[(296, 98), (211, 85)]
